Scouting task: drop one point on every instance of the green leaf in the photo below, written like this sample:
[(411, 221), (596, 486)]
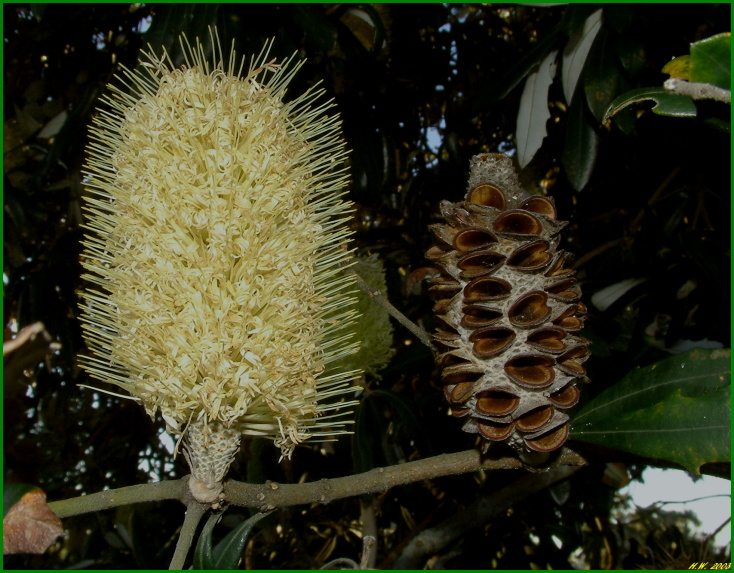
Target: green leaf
[(711, 61), (601, 76), (631, 54), (534, 113), (203, 559), (576, 52), (405, 412), (13, 493), (171, 20), (676, 410), (580, 149), (671, 105), (576, 15), (228, 552), (679, 67), (367, 425), (718, 124)]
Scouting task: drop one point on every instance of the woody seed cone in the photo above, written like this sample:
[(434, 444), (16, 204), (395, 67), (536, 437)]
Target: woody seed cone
[(508, 311)]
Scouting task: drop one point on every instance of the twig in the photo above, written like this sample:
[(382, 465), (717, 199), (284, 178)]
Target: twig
[(380, 299), (696, 90), (368, 543), (654, 198), (634, 225), (435, 539), (27, 333), (272, 495), (268, 496), (369, 555), (369, 532), (175, 489), (692, 500), (596, 252), (340, 563), (710, 538), (194, 512)]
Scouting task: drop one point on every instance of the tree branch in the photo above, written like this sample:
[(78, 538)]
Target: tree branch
[(175, 489), (194, 512), (268, 496), (697, 90)]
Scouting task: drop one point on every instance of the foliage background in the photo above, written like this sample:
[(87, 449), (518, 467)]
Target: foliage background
[(414, 85)]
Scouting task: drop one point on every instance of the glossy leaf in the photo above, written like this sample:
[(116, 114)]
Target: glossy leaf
[(671, 105), (631, 54), (576, 15), (602, 77), (228, 552), (679, 67), (676, 410), (534, 113), (576, 52), (711, 61), (580, 149), (607, 296), (203, 554)]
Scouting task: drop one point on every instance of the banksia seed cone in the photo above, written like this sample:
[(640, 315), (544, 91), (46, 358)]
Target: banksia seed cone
[(216, 243), (508, 310)]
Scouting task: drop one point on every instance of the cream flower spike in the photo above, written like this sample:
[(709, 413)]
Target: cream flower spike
[(216, 234)]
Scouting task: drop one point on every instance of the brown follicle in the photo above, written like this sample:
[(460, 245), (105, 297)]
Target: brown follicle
[(509, 309)]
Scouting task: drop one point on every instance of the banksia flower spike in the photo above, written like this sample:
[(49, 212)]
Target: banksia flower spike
[(215, 249), (508, 311)]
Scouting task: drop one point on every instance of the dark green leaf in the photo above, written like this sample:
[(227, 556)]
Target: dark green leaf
[(203, 559), (579, 151), (718, 124), (317, 27), (631, 54), (601, 75), (380, 32), (405, 412), (366, 427), (371, 426), (676, 410), (671, 105), (228, 552), (576, 15), (172, 20), (711, 61), (13, 493)]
